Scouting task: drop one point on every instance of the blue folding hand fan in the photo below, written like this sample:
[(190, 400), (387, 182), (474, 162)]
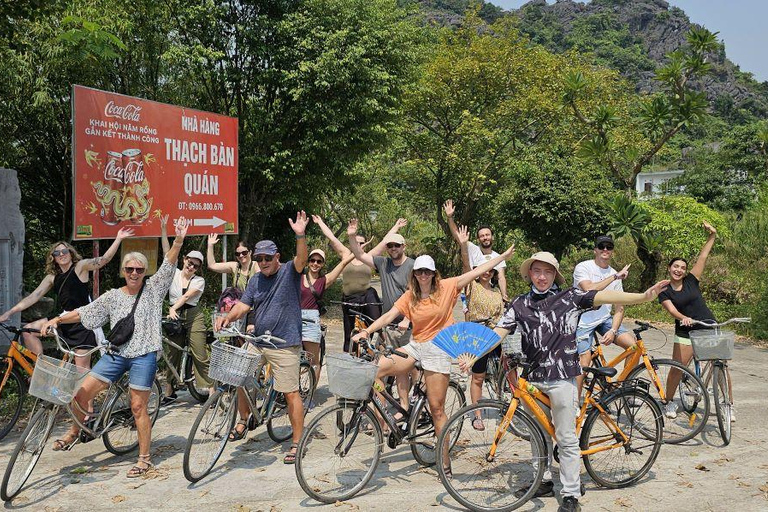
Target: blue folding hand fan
[(466, 340)]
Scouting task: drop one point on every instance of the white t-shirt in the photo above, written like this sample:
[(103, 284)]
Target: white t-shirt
[(591, 271), (175, 291), (477, 258)]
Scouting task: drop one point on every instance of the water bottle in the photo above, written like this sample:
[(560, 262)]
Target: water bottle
[(463, 298)]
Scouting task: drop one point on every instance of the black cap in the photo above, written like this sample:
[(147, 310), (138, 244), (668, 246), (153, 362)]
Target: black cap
[(603, 239)]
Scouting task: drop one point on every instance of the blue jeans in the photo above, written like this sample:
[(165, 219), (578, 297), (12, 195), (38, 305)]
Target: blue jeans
[(141, 370), (584, 334)]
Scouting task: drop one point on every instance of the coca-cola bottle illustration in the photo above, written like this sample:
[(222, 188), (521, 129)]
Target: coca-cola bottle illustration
[(110, 194), (135, 205)]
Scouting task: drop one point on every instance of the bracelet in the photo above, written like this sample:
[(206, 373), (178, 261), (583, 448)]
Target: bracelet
[(300, 236), (365, 331)]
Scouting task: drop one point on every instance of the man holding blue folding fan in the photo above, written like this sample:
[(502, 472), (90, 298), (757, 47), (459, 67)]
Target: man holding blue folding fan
[(547, 317)]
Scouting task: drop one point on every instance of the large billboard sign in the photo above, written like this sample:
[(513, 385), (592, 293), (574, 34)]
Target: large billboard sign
[(135, 160)]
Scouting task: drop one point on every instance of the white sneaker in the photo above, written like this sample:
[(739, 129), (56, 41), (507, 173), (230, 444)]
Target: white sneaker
[(670, 410)]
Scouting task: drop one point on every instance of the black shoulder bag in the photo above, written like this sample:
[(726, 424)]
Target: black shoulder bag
[(122, 332)]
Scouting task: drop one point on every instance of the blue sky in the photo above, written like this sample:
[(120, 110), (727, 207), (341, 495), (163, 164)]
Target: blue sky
[(741, 24)]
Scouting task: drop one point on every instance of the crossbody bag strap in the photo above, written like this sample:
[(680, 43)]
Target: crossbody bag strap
[(138, 297)]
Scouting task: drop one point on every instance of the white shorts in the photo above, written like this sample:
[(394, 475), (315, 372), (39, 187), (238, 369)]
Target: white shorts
[(431, 358)]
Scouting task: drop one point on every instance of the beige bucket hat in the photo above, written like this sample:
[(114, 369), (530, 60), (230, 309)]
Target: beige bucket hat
[(546, 257)]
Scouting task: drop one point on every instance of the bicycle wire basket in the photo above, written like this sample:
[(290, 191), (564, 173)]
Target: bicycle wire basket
[(350, 377), (512, 344), (710, 344), (232, 365), (56, 381)]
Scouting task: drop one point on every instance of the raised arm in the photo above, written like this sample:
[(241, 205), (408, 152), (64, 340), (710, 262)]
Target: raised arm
[(354, 245), (225, 267), (588, 285), (701, 261), (164, 234), (340, 249), (468, 277), (449, 210), (382, 245), (299, 227), (181, 225), (463, 238), (334, 274), (627, 299), (91, 264), (44, 287)]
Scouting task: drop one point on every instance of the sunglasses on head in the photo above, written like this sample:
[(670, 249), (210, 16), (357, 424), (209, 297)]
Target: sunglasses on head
[(193, 264), (392, 245), (242, 253), (60, 252), (263, 257), (603, 247), (422, 272), (316, 260), (134, 270)]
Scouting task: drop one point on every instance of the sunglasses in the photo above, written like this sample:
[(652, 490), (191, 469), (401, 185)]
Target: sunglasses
[(603, 247), (265, 257), (242, 253), (315, 260), (392, 245), (134, 270), (60, 252), (193, 265), (422, 272)]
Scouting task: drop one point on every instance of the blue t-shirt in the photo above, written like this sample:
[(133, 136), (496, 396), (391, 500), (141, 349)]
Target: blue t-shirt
[(278, 312)]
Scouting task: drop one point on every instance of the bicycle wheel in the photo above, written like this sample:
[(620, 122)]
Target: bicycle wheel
[(307, 384), (120, 436), (421, 431), (27, 452), (722, 401), (11, 399), (209, 434), (338, 452), (691, 398), (503, 482), (198, 393), (279, 423), (618, 457)]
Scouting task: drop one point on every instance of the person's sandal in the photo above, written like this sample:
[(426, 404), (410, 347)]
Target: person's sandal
[(478, 424), (447, 472), (66, 443), (137, 470), (235, 434), (290, 457)]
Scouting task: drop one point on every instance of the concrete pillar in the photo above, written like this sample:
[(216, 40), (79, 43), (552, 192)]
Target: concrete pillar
[(11, 244)]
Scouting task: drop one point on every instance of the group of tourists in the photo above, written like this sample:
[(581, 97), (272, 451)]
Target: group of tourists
[(285, 298)]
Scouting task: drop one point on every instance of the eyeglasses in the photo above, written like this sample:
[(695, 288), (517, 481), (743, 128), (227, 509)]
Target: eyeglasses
[(242, 253), (315, 260), (60, 252), (264, 257), (603, 247), (193, 265), (392, 245), (134, 270), (423, 272)]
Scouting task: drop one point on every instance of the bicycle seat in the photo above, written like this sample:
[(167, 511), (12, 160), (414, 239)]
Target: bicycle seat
[(602, 371)]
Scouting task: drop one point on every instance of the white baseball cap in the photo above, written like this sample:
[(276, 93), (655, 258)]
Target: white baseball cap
[(195, 254), (424, 261)]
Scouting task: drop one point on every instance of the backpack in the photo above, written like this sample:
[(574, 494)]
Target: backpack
[(228, 299)]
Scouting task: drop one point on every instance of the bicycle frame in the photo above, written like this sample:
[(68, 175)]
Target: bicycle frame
[(633, 356), (99, 424), (177, 374), (18, 354)]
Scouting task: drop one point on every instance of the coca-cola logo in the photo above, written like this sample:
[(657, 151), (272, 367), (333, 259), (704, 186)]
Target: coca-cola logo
[(128, 112), (132, 173)]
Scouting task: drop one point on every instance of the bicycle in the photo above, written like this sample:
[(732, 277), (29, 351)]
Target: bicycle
[(715, 348), (16, 367), (361, 322), (340, 448), (55, 382), (691, 393), (236, 368), (501, 467), (183, 374)]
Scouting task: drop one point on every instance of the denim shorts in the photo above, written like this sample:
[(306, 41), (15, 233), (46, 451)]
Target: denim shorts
[(584, 335), (310, 325), (141, 370)]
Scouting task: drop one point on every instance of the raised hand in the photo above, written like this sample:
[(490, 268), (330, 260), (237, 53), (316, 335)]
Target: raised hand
[(352, 227), (448, 208), (623, 273), (401, 223), (709, 227), (362, 246), (299, 226), (463, 235), (654, 291), (124, 233), (213, 239), (317, 219), (509, 252), (181, 225)]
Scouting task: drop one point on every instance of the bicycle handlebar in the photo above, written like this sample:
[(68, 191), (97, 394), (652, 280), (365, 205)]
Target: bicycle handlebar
[(18, 330), (60, 343), (267, 337), (712, 325), (358, 304)]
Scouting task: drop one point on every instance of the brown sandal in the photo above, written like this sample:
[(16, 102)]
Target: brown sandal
[(290, 457), (66, 443), (235, 434), (137, 471)]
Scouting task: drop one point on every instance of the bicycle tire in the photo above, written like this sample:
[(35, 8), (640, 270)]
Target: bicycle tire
[(121, 436), (635, 412), (11, 399), (279, 423), (211, 429), (518, 463), (201, 395), (323, 473), (722, 402), (35, 436), (421, 432), (307, 384), (691, 394)]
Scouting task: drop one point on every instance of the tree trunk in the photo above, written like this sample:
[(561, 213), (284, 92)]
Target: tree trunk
[(651, 261)]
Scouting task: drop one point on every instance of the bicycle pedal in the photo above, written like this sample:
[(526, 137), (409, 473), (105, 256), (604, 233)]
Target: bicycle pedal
[(85, 437)]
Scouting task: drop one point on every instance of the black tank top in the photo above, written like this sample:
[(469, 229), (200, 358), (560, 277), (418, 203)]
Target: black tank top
[(73, 293)]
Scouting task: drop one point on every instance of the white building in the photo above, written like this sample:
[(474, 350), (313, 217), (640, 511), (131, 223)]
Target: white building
[(649, 184)]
